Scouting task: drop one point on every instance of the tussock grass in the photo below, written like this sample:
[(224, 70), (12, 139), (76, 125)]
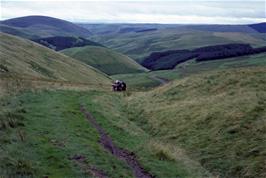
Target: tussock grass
[(167, 151), (55, 130), (218, 118)]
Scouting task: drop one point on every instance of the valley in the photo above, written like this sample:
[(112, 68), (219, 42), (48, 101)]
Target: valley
[(197, 119)]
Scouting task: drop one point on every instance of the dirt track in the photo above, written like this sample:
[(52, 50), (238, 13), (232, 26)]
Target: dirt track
[(80, 160), (120, 153)]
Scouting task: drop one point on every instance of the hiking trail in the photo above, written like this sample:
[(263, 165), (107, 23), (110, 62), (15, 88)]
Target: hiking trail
[(120, 153)]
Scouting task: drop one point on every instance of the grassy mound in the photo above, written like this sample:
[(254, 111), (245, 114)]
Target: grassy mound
[(218, 117), (106, 60)]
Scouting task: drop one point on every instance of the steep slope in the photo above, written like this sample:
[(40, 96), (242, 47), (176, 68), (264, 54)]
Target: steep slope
[(106, 60), (62, 42), (42, 26), (218, 117), (24, 58)]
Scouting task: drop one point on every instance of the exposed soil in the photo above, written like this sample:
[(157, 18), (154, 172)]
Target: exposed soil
[(80, 160), (120, 153)]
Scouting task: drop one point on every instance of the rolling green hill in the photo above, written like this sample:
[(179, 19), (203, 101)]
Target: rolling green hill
[(24, 58), (208, 121), (140, 45), (33, 27), (106, 60), (217, 117)]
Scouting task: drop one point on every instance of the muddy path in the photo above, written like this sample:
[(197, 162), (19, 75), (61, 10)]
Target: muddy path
[(120, 153), (80, 160)]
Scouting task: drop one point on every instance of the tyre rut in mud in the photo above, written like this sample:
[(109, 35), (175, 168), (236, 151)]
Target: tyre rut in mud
[(122, 154)]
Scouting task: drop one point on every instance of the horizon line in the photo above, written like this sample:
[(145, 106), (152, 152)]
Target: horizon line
[(113, 22)]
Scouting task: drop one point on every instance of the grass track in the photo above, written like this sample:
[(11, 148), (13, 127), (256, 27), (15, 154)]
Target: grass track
[(50, 124)]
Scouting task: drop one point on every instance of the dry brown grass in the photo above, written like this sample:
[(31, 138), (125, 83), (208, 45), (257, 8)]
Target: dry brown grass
[(11, 85)]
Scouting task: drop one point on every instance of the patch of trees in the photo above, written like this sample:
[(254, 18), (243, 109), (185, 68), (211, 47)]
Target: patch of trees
[(62, 42), (223, 54), (169, 59)]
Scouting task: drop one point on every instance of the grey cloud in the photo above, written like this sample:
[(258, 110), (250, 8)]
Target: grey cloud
[(142, 11)]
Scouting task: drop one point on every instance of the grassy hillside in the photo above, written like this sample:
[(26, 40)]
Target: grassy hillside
[(41, 27), (218, 117), (23, 58), (106, 60), (140, 45)]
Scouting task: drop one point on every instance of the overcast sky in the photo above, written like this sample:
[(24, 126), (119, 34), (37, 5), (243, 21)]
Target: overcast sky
[(180, 12)]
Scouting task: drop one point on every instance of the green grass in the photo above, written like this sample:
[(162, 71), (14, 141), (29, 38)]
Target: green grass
[(144, 81), (140, 81), (41, 131), (104, 59), (191, 67), (24, 58), (206, 121), (215, 120), (217, 117)]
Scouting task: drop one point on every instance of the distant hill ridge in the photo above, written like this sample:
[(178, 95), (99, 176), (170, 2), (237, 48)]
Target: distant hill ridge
[(42, 26), (260, 27)]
